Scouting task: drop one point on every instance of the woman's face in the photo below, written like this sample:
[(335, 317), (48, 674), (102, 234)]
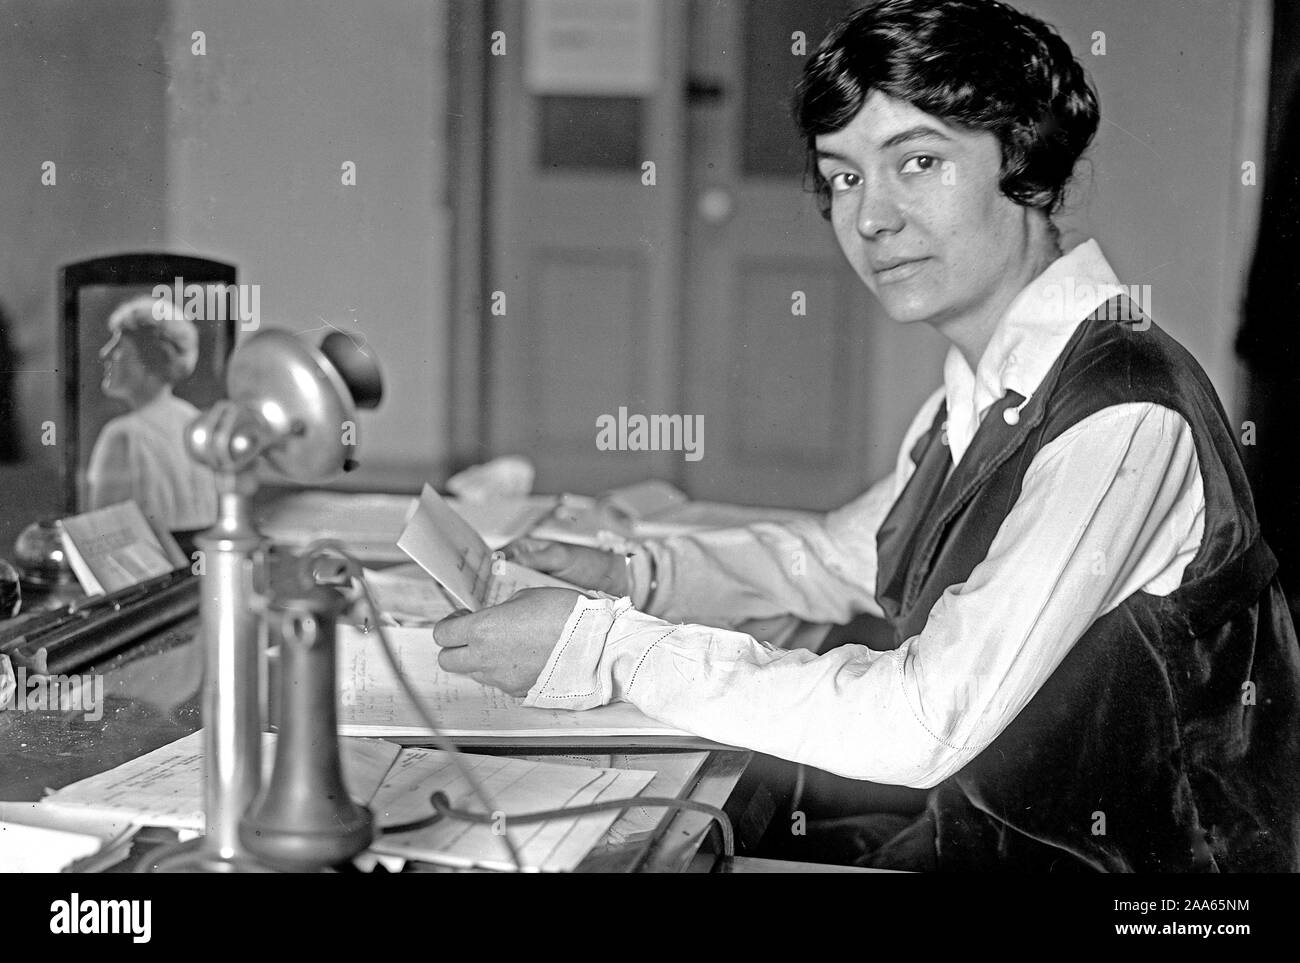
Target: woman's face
[(124, 372), (919, 212)]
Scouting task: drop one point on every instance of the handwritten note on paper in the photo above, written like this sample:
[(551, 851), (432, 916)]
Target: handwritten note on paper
[(445, 546), (514, 786), (448, 548), (372, 704), (165, 787)]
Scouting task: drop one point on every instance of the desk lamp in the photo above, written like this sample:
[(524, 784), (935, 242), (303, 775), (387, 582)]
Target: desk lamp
[(293, 408)]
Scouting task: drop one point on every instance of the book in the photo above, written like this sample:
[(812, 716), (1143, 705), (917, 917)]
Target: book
[(115, 547)]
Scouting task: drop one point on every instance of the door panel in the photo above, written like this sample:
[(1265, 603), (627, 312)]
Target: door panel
[(776, 413), (583, 304)]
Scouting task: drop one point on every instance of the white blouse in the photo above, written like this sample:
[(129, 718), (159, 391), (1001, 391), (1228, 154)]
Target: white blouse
[(141, 456)]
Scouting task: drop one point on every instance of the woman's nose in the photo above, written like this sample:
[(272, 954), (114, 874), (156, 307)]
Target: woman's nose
[(878, 212)]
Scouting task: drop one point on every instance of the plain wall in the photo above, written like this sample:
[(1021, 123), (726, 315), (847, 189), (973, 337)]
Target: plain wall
[(85, 90), (237, 155), (1181, 108), (259, 129)]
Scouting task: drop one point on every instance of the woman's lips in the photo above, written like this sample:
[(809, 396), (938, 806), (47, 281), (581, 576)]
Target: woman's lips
[(901, 271)]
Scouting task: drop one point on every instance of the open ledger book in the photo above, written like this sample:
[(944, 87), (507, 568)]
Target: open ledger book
[(372, 704), (474, 577)]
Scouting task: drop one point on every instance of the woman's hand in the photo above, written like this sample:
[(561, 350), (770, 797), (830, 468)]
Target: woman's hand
[(588, 568), (507, 645)]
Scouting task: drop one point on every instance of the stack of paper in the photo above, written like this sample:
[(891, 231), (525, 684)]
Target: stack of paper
[(514, 787), (165, 787), (35, 840), (675, 774), (368, 524), (408, 595)]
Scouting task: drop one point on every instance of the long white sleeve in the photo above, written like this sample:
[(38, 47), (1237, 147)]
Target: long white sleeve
[(822, 569), (1112, 506)]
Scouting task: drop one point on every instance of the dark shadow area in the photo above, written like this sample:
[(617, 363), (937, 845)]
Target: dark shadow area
[(1269, 339)]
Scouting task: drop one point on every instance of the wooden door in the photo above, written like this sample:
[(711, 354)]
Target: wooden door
[(776, 338), (715, 294), (583, 286)]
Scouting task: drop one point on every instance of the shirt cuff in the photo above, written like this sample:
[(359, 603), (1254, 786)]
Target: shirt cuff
[(571, 678)]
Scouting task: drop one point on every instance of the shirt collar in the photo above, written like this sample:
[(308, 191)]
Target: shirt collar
[(1027, 340)]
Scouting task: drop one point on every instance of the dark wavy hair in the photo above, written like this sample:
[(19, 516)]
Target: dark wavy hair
[(975, 64)]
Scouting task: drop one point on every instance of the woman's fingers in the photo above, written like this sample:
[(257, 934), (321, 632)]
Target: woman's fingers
[(589, 568), (538, 554)]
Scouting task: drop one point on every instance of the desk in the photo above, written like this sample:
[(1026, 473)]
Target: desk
[(152, 694)]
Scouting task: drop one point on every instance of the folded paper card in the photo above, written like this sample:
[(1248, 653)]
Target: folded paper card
[(448, 548)]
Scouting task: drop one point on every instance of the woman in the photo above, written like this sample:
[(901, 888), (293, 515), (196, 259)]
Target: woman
[(1093, 666), (141, 456)]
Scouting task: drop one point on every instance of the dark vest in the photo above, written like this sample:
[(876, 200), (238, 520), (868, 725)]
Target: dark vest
[(1169, 737)]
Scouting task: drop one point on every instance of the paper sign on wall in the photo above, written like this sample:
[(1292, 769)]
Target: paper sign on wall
[(592, 47)]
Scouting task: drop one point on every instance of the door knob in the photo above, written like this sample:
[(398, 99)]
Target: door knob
[(715, 205)]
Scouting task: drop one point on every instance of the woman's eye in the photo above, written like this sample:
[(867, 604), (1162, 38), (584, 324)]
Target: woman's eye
[(843, 181), (920, 164)]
